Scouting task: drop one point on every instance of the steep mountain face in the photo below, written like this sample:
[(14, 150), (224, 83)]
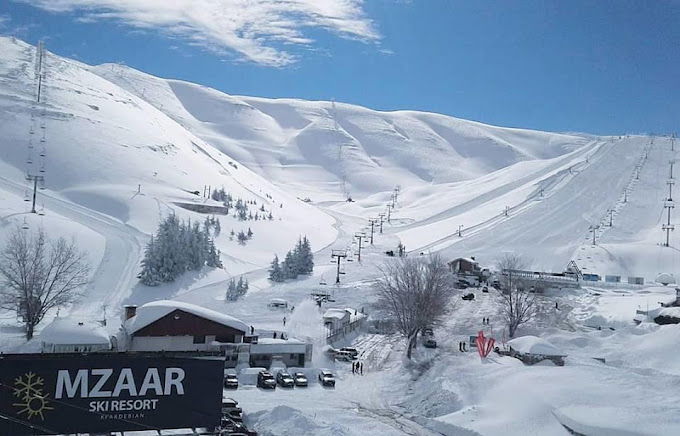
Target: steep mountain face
[(327, 150)]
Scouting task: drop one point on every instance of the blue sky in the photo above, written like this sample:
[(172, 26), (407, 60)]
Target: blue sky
[(605, 66)]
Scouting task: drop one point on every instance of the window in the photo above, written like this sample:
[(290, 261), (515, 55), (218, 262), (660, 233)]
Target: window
[(199, 339)]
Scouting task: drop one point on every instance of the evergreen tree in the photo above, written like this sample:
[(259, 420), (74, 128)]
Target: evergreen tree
[(218, 228), (149, 275), (306, 257), (275, 272), (250, 233), (242, 238), (288, 266)]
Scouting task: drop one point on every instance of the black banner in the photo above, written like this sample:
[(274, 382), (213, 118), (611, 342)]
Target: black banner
[(56, 394)]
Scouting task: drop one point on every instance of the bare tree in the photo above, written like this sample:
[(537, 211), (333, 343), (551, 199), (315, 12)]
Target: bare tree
[(517, 305), (38, 275), (414, 293)]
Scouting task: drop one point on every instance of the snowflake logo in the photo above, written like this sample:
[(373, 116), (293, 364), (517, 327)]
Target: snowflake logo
[(31, 400)]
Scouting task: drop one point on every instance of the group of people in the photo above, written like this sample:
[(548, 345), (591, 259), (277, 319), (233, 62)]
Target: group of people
[(486, 321), (462, 346), (358, 368)]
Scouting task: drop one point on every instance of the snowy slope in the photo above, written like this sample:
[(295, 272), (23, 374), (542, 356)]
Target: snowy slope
[(115, 155)]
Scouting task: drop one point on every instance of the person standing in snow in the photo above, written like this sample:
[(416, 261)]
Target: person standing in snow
[(284, 321), (252, 330), (361, 367), (352, 367)]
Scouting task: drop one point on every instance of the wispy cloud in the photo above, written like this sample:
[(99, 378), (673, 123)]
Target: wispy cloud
[(260, 31)]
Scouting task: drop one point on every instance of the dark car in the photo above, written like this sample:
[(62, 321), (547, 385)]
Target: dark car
[(485, 289), (285, 380), (326, 378), (469, 296), (352, 351), (230, 381), (300, 379), (428, 332), (430, 343), (265, 380)]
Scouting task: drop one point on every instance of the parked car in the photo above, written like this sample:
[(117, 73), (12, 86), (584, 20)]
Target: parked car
[(428, 332), (230, 404), (345, 356), (485, 289), (300, 379), (265, 380), (353, 351), (234, 415), (430, 343), (285, 380), (469, 296), (230, 381), (326, 378)]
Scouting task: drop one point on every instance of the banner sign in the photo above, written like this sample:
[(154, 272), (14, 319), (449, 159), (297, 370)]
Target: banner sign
[(56, 394)]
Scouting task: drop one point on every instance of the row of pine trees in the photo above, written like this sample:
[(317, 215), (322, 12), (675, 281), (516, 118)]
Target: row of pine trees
[(298, 261), (177, 247)]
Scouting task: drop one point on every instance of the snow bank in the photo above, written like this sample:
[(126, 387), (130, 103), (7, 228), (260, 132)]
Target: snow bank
[(534, 345), (287, 421), (618, 421)]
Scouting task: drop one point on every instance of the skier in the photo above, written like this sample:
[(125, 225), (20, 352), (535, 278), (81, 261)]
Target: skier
[(284, 321), (353, 367)]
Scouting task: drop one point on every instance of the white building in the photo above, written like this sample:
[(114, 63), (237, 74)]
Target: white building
[(67, 335), (335, 319)]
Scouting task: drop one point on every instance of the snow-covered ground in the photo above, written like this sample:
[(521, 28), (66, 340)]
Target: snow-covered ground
[(123, 148)]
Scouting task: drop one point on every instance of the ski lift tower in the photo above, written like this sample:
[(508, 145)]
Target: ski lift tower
[(338, 255), (360, 237)]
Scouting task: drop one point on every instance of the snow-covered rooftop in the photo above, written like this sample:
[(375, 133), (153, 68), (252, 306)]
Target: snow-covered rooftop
[(155, 310), (69, 331), (336, 313), (534, 345)]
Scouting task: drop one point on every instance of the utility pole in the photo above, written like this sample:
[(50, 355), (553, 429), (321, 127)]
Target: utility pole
[(671, 162), (460, 231), (389, 213), (382, 218), (594, 230), (360, 236), (338, 254), (373, 222), (670, 184), (668, 227), (35, 180)]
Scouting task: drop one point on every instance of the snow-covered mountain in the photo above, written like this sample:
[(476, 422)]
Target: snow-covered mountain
[(111, 131)]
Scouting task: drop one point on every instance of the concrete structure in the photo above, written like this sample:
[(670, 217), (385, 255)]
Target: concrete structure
[(336, 319), (465, 265), (68, 335)]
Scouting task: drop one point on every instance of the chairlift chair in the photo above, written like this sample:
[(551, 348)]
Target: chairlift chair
[(42, 152), (24, 226), (42, 168), (27, 196)]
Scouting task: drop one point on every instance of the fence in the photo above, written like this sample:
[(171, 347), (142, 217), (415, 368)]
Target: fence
[(334, 335)]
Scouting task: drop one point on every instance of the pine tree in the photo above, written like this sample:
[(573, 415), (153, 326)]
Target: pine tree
[(275, 272), (306, 257), (288, 266), (149, 275), (242, 238), (218, 228), (250, 233)]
